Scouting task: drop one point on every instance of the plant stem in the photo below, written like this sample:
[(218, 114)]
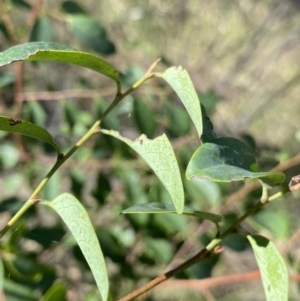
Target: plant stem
[(61, 159), (204, 253)]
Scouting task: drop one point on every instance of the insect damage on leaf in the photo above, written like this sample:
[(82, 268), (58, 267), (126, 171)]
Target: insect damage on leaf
[(14, 121)]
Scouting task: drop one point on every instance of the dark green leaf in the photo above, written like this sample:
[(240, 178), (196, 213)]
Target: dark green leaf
[(143, 118), (72, 7), (42, 30), (169, 208), (90, 33), (21, 3), (78, 221), (42, 51), (208, 129), (22, 127), (180, 81), (226, 160), (272, 268), (4, 30)]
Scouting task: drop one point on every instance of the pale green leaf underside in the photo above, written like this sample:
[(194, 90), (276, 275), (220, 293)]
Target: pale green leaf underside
[(77, 220), (169, 208), (44, 51), (272, 268), (179, 79), (226, 160), (159, 155), (26, 128)]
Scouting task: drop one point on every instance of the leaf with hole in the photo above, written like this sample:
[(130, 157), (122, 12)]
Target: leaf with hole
[(159, 155), (77, 220), (179, 79), (272, 268), (25, 128), (169, 208), (43, 51), (226, 160)]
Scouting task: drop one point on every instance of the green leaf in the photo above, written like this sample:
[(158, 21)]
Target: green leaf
[(57, 292), (274, 221), (226, 160), (169, 208), (25, 128), (77, 220), (180, 81), (42, 51), (208, 129), (143, 118), (90, 33), (159, 155), (179, 121), (72, 7), (16, 292), (272, 268), (159, 250), (42, 30)]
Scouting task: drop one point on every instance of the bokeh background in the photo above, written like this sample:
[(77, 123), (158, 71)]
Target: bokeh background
[(243, 57)]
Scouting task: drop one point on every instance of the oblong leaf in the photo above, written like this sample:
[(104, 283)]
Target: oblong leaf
[(43, 51), (77, 220), (179, 79), (272, 268), (169, 208), (226, 160), (159, 155), (25, 128)]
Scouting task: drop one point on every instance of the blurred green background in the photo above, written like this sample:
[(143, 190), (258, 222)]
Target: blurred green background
[(243, 57)]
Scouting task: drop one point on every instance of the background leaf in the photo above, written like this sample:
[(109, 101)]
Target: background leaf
[(226, 160), (159, 155), (26, 128), (77, 220), (57, 292), (90, 33), (42, 51), (42, 30), (143, 118), (180, 81), (169, 208), (272, 268)]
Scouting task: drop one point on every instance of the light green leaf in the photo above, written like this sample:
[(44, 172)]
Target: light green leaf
[(22, 127), (180, 81), (169, 208), (272, 268), (57, 292), (226, 160), (77, 220), (42, 51), (159, 155)]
